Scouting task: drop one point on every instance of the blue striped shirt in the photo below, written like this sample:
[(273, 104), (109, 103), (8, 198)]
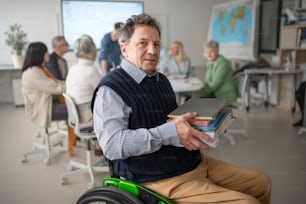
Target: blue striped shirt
[(111, 115)]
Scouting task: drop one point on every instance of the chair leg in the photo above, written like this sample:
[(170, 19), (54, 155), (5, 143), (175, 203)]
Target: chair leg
[(231, 138), (87, 167), (46, 147)]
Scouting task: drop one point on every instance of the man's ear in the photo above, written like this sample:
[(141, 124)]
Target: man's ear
[(123, 49)]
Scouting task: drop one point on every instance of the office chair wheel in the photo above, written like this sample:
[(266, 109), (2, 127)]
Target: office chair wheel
[(91, 185), (70, 167), (247, 108), (24, 160), (109, 195), (293, 110), (64, 180), (47, 161), (266, 104)]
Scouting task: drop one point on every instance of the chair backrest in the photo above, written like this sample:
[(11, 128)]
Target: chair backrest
[(73, 115)]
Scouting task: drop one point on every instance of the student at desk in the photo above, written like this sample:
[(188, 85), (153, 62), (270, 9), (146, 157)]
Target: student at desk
[(219, 78), (176, 63)]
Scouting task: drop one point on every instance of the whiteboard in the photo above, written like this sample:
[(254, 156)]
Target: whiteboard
[(94, 18), (234, 25)]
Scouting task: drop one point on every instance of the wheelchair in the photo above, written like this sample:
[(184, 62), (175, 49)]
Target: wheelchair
[(119, 191)]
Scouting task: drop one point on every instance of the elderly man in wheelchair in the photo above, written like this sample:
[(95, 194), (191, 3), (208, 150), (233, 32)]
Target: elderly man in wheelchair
[(130, 107)]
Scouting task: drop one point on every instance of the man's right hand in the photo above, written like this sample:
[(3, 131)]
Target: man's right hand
[(188, 136)]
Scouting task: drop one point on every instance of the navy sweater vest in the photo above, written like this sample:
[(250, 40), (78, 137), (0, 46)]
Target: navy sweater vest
[(150, 101)]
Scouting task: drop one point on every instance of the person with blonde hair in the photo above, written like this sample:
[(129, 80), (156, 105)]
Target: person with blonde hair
[(82, 79), (176, 62)]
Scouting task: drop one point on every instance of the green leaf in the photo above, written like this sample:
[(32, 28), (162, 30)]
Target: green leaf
[(16, 38)]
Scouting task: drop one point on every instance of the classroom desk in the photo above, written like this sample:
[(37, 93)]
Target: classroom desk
[(266, 73), (181, 85), (10, 83)]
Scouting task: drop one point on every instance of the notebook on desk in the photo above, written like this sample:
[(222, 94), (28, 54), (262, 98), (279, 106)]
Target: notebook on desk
[(206, 108)]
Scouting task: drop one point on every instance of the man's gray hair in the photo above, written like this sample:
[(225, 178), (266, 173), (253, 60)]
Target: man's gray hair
[(85, 48), (212, 44), (57, 40), (126, 32)]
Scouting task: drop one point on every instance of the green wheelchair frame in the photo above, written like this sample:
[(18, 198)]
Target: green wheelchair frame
[(119, 191)]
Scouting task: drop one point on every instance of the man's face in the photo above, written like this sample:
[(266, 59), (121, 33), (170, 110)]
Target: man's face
[(143, 48), (62, 47), (114, 35)]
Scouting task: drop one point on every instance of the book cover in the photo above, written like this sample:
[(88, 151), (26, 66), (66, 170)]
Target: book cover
[(216, 134), (195, 121), (214, 124), (206, 108), (220, 129), (199, 122)]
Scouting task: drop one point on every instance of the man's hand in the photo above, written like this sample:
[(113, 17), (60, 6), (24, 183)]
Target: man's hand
[(188, 136)]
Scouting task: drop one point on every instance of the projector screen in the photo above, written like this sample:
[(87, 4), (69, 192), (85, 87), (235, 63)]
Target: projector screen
[(94, 18)]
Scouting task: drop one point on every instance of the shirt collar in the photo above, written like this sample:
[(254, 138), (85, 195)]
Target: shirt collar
[(137, 74), (85, 61)]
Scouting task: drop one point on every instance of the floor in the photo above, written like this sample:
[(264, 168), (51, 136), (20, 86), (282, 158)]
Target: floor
[(270, 145)]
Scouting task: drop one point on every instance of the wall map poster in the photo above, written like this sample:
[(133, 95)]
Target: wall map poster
[(233, 25)]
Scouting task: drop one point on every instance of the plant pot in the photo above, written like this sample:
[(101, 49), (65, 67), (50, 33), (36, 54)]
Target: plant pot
[(18, 61)]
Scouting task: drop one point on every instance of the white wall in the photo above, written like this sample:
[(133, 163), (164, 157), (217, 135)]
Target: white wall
[(183, 20)]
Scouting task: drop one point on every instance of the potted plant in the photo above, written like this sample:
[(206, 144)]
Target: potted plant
[(16, 39)]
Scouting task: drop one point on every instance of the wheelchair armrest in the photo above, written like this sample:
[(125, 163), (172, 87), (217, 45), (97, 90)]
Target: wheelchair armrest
[(144, 194)]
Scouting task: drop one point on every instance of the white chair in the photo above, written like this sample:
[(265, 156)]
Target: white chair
[(229, 134), (52, 140), (88, 167)]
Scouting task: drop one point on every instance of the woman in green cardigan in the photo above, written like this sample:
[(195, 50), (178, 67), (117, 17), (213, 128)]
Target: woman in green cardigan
[(219, 79)]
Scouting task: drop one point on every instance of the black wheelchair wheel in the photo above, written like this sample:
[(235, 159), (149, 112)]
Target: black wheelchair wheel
[(107, 195)]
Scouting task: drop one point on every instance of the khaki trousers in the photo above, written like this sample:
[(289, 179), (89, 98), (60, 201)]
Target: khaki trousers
[(215, 181)]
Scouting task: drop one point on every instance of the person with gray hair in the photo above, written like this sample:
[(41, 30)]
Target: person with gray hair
[(57, 65), (130, 107), (82, 79), (219, 77)]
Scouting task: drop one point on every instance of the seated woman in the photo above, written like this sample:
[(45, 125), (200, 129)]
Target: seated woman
[(176, 62), (219, 78), (42, 93), (82, 79)]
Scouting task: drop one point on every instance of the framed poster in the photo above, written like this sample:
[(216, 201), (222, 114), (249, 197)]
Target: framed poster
[(234, 26)]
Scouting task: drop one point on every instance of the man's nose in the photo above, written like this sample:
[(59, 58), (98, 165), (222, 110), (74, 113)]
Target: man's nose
[(152, 49)]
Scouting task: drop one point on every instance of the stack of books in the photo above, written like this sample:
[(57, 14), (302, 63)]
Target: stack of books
[(213, 116)]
